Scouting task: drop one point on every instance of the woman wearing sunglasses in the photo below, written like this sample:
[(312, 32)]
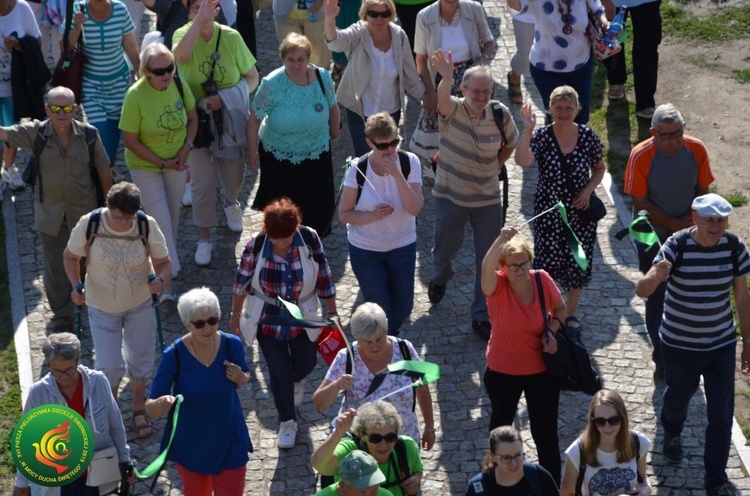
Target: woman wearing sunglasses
[(504, 471), (614, 455), (381, 66), (525, 310), (206, 367), (375, 429), (381, 200), (159, 123)]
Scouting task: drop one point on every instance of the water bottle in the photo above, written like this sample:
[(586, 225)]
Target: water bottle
[(311, 16), (615, 28)]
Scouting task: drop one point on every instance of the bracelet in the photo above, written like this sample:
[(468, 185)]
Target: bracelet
[(235, 314)]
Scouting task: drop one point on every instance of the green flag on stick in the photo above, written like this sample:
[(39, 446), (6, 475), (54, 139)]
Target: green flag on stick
[(422, 373), (576, 250), (648, 238)]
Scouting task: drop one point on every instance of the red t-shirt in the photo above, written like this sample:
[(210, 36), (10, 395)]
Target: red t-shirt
[(515, 345)]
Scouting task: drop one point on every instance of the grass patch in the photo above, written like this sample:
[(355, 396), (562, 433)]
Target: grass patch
[(742, 76), (10, 391), (736, 199), (729, 24)]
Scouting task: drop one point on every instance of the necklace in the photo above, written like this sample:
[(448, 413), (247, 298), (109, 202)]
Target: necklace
[(207, 361), (565, 16)]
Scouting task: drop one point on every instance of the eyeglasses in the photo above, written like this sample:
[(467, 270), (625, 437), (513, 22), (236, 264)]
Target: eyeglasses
[(517, 267), (389, 144), (200, 324), (55, 109), (67, 372), (670, 136), (508, 459), (160, 71), (375, 14), (391, 437), (613, 421)]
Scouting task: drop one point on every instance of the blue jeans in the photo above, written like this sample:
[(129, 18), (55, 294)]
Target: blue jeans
[(387, 278), (682, 372), (357, 130), (579, 79), (450, 221), (110, 135)]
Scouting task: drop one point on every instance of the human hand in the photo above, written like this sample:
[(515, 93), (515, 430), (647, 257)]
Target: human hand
[(78, 295), (528, 119), (345, 382), (253, 161), (12, 43), (234, 324), (79, 19), (549, 343), (429, 102), (207, 11), (155, 285), (642, 491), (234, 373), (316, 6), (212, 103), (331, 8), (745, 359), (126, 472), (443, 63), (507, 233), (662, 270), (412, 485), (21, 491), (383, 210), (344, 422), (581, 201), (428, 439)]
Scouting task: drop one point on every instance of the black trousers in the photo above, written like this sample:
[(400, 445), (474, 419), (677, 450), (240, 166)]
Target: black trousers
[(542, 400), (407, 17), (646, 20), (246, 24)]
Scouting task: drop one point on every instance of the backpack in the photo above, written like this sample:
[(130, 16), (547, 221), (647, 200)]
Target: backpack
[(92, 230), (307, 237), (405, 353), (33, 173), (682, 236), (582, 465), (403, 160), (530, 472)]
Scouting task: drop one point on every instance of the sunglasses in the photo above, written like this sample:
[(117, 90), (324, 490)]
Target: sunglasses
[(385, 146), (613, 421), (160, 71), (517, 267), (375, 14), (508, 459), (200, 324), (391, 437), (55, 109)]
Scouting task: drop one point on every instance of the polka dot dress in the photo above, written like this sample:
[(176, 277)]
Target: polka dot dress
[(559, 172)]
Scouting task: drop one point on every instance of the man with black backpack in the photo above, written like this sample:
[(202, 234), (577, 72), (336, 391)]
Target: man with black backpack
[(69, 173), (472, 147), (700, 265)]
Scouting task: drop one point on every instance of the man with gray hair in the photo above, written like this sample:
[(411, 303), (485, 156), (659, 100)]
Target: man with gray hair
[(700, 265), (664, 175), (64, 190), (472, 149)]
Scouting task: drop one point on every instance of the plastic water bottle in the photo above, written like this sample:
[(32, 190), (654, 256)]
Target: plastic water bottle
[(615, 28), (311, 16)]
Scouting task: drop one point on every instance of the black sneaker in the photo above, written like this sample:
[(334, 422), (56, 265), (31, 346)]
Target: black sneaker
[(435, 292), (726, 489), (482, 327), (673, 449)]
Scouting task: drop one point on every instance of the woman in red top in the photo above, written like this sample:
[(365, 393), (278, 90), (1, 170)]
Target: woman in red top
[(521, 332)]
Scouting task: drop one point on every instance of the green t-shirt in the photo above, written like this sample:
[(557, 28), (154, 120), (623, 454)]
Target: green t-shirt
[(235, 59), (388, 468), (331, 491), (158, 117)]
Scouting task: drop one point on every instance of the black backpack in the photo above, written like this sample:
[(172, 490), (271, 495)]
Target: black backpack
[(582, 465), (530, 472), (682, 236), (403, 160), (307, 237), (92, 229)]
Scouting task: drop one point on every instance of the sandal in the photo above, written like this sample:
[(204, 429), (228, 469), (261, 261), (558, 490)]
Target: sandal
[(514, 90), (572, 320), (142, 430)]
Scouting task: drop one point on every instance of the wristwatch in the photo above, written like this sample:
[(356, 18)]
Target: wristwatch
[(190, 144)]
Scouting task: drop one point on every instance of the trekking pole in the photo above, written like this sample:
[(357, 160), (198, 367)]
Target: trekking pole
[(155, 304), (79, 310)]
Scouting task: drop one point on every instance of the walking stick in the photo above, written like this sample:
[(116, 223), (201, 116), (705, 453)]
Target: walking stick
[(155, 304), (79, 310)]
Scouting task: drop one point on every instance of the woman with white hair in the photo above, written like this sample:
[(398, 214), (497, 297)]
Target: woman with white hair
[(159, 123), (372, 351), (206, 366)]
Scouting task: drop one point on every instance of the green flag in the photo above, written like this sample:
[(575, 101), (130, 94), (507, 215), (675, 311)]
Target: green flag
[(648, 238), (576, 250), (156, 466), (293, 309)]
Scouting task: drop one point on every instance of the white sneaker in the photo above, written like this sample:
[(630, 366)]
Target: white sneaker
[(234, 217), (13, 177), (299, 392), (203, 253), (187, 196), (287, 434)]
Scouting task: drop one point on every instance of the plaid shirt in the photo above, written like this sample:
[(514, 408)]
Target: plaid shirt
[(284, 278)]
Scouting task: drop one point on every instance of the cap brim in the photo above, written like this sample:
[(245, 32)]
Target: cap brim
[(374, 479)]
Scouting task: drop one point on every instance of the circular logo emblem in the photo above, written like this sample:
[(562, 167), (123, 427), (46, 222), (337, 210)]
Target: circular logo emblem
[(52, 445)]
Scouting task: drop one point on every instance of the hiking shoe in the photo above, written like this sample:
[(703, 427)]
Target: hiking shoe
[(234, 217), (203, 253), (646, 113), (12, 176), (167, 301), (60, 327), (482, 327), (672, 449), (187, 196), (616, 92), (435, 292), (726, 489), (299, 392), (287, 434)]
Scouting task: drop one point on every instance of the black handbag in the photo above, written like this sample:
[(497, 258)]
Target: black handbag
[(205, 136), (596, 210)]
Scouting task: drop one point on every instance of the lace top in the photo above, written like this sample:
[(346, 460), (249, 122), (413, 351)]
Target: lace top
[(294, 118)]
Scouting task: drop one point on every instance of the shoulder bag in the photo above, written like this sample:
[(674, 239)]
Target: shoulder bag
[(596, 210), (69, 69), (205, 136)]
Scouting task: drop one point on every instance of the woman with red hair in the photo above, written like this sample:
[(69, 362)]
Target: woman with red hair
[(285, 260)]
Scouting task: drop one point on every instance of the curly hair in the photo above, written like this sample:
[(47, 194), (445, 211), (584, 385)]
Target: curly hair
[(377, 414)]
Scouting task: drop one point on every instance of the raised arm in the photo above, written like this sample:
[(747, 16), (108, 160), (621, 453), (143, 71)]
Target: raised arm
[(524, 157), (492, 258), (443, 64), (331, 10), (324, 460)]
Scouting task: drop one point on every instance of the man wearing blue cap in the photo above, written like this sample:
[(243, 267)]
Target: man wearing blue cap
[(700, 265)]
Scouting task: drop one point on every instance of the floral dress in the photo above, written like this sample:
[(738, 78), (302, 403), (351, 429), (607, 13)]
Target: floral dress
[(561, 178)]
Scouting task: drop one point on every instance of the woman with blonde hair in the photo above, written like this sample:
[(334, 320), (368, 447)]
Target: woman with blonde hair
[(611, 455)]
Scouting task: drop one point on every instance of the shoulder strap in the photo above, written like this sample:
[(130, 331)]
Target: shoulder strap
[(320, 81), (214, 58), (531, 472), (542, 303), (177, 361), (143, 228), (91, 133), (406, 354), (92, 228), (497, 112), (260, 240), (403, 160), (581, 468), (682, 238), (178, 82), (35, 171), (401, 463), (637, 443), (734, 246), (307, 237), (348, 367), (361, 173)]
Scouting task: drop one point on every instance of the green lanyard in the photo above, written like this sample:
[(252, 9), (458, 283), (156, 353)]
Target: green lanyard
[(156, 466)]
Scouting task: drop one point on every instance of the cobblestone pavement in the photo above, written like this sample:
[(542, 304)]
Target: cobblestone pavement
[(611, 314)]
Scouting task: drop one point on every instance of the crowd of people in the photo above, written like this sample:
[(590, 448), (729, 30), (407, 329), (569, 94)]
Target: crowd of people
[(218, 117)]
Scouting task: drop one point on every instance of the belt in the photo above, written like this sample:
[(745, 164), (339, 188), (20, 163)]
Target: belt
[(275, 301)]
